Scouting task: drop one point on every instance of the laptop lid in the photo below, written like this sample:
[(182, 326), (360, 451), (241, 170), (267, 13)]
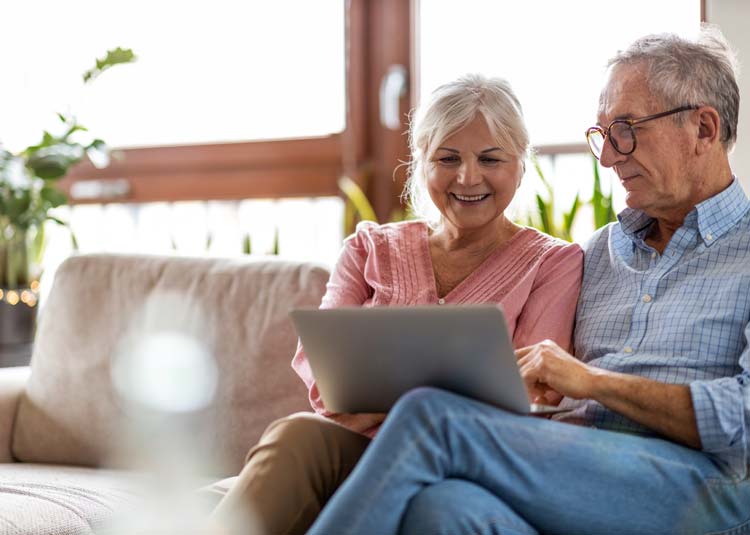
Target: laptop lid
[(364, 359)]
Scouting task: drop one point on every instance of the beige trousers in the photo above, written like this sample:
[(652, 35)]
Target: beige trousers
[(290, 474)]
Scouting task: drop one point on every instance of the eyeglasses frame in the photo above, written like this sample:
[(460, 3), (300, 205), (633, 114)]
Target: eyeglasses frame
[(630, 122)]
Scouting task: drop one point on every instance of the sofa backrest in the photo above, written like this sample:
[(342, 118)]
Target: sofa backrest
[(71, 413)]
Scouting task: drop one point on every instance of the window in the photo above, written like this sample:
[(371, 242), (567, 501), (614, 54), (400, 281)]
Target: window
[(229, 100), (553, 53), (274, 99), (208, 72)]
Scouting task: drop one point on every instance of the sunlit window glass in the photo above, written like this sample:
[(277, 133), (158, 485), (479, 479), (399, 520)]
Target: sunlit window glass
[(217, 71), (552, 52)]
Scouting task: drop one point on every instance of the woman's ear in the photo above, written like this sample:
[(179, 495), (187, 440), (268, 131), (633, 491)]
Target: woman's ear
[(709, 129)]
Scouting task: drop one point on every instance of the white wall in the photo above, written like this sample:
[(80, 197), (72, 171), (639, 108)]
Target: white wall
[(732, 17)]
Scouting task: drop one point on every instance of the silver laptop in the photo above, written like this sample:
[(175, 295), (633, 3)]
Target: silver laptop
[(364, 359)]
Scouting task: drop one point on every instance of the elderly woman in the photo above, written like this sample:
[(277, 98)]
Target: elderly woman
[(468, 145)]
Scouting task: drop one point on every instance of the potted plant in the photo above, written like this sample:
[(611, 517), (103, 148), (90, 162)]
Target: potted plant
[(544, 217), (28, 193)]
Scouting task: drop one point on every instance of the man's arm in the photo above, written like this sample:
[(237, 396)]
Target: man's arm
[(665, 408)]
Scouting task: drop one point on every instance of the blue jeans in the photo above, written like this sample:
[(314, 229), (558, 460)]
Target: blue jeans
[(443, 463)]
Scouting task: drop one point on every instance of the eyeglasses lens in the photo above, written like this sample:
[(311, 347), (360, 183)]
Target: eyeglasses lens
[(622, 137), (596, 141)]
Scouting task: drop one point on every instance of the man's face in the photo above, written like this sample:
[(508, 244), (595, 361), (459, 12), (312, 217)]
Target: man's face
[(656, 176)]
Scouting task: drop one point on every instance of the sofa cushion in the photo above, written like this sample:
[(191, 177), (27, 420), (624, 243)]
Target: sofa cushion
[(52, 500), (44, 499), (71, 414), (12, 384)]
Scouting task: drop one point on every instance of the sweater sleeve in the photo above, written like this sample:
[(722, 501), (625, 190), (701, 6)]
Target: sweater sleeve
[(347, 286), (549, 311)]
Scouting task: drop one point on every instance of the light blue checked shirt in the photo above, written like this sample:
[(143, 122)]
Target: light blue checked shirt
[(680, 317)]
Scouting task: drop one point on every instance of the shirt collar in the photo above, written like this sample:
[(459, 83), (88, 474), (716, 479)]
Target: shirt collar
[(718, 214), (634, 222), (713, 217)]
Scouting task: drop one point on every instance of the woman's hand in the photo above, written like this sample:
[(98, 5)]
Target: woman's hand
[(550, 373)]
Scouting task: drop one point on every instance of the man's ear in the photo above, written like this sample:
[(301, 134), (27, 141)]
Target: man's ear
[(709, 128)]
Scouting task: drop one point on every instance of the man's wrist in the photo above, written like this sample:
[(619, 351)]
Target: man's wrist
[(599, 383)]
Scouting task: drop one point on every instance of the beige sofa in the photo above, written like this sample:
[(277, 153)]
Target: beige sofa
[(63, 424)]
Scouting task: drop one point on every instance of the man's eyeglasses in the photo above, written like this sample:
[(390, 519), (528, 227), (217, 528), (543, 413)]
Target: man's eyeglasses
[(621, 132)]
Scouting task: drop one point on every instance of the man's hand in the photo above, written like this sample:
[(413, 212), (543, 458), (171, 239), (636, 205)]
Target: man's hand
[(550, 372)]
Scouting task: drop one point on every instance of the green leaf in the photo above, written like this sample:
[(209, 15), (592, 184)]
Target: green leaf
[(569, 218), (18, 204), (47, 141), (38, 245), (247, 247), (602, 204), (611, 215), (357, 197), (72, 130), (99, 144), (350, 218), (544, 220), (98, 153), (49, 167), (5, 156), (53, 162), (549, 204), (538, 168), (402, 214), (73, 239), (58, 221), (597, 197), (275, 248), (53, 196), (114, 57)]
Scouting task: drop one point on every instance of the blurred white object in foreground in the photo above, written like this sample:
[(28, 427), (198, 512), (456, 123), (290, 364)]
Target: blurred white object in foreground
[(165, 374)]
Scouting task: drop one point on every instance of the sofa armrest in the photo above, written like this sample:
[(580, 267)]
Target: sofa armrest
[(12, 385)]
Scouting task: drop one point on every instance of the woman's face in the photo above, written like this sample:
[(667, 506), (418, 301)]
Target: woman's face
[(470, 179)]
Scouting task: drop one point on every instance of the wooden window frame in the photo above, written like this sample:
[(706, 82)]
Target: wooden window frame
[(378, 34), (282, 168)]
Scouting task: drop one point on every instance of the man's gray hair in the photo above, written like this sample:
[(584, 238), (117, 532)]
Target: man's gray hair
[(450, 108), (681, 71)]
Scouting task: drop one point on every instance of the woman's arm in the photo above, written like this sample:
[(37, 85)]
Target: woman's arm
[(347, 286), (549, 312)]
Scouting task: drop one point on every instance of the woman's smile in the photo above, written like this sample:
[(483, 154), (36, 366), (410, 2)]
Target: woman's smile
[(470, 199)]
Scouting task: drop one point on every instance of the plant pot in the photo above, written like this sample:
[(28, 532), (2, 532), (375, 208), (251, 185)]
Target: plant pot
[(18, 310)]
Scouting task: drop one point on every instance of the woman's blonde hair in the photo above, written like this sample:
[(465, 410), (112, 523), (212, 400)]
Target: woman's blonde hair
[(450, 108)]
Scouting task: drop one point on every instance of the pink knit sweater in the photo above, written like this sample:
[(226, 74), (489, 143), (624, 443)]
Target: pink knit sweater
[(533, 277)]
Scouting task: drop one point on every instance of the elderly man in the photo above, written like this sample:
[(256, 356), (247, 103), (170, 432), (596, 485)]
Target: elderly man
[(661, 387)]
